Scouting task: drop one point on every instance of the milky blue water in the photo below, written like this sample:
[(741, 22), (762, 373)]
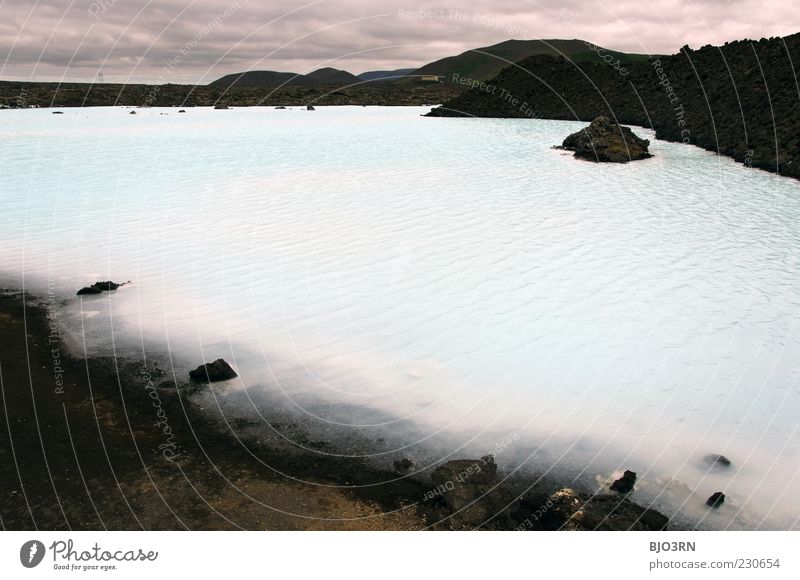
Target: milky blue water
[(376, 270)]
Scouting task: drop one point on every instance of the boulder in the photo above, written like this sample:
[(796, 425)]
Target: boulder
[(717, 499), (404, 465), (310, 108), (469, 490), (132, 113), (280, 107), (715, 460), (606, 141), (221, 107), (182, 111), (212, 372), (99, 287), (625, 483), (570, 510)]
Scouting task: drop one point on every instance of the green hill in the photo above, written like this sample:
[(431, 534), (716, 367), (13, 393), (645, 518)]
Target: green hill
[(486, 62)]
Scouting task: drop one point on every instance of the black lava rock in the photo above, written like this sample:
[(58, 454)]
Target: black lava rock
[(717, 499), (606, 141), (212, 372), (99, 287), (717, 460), (625, 483)]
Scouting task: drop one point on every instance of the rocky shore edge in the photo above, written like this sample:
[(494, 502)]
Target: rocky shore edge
[(114, 443), (738, 100)]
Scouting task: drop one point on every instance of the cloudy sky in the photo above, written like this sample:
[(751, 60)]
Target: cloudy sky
[(200, 40)]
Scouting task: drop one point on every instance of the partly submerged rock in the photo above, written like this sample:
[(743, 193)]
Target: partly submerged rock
[(625, 483), (717, 499), (219, 370), (606, 141), (58, 112), (715, 460), (132, 113), (280, 107), (99, 287), (221, 106), (310, 108), (570, 510), (182, 111)]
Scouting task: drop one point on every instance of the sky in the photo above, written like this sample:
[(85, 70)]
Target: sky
[(188, 41)]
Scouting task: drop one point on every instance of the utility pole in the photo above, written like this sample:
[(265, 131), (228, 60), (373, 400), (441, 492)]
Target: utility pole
[(100, 77)]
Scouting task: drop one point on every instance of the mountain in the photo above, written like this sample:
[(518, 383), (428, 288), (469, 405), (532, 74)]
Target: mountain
[(255, 78), (385, 75), (268, 78), (739, 99), (486, 62), (330, 76), (477, 64)]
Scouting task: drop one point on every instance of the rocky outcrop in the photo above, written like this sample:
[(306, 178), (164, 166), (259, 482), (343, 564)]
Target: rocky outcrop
[(739, 99), (99, 288), (213, 372), (715, 460), (606, 141), (468, 487), (567, 509), (625, 483)]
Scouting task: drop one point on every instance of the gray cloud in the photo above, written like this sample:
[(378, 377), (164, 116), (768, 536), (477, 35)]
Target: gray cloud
[(136, 40)]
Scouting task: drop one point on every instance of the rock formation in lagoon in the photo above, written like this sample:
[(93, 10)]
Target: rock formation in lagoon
[(213, 372), (717, 499), (625, 483), (100, 287), (715, 460), (606, 141)]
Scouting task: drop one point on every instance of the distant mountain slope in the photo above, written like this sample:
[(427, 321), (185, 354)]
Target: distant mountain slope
[(380, 75), (486, 62), (254, 78), (268, 78), (739, 99), (330, 76)]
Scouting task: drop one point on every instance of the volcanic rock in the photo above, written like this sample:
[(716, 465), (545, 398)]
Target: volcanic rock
[(567, 509), (219, 370), (99, 287), (606, 141), (625, 483), (717, 460), (717, 499)]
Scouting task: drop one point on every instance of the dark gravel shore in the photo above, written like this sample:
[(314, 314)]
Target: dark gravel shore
[(105, 443)]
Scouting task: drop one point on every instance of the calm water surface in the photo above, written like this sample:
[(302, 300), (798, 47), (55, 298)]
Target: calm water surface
[(425, 280)]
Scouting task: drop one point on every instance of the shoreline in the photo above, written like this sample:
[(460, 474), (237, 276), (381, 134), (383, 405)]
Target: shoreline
[(115, 443)]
